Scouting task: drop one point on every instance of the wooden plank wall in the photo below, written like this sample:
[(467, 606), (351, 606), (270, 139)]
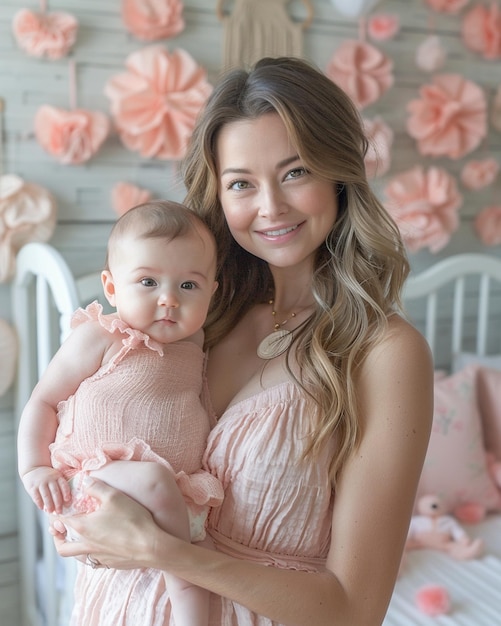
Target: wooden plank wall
[(83, 192)]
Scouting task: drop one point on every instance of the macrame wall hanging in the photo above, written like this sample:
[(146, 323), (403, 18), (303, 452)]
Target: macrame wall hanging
[(259, 28)]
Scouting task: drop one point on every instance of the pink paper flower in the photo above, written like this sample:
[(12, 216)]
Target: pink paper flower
[(156, 102), (447, 6), (27, 213), (488, 226), (450, 118), (153, 19), (430, 54), (496, 110), (124, 196), (424, 205), (479, 174), (382, 27), (43, 34), (72, 137), (481, 30), (362, 70), (378, 157)]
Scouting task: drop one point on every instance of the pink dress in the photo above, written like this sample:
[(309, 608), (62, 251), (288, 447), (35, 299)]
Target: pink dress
[(142, 405)]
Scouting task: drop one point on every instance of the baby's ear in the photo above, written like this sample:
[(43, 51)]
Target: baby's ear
[(108, 286)]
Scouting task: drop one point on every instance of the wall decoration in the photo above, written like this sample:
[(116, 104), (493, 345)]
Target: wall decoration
[(259, 28), (155, 102), (150, 20), (354, 8), (378, 157), (8, 355), (424, 205), (450, 117), (27, 213), (481, 30), (381, 27), (362, 70), (488, 226), (447, 6), (44, 34), (479, 174), (430, 54), (124, 196)]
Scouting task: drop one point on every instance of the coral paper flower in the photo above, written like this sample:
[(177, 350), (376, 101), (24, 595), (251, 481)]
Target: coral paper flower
[(450, 118), (72, 137), (27, 213), (362, 70), (383, 26), (424, 206), (447, 6), (124, 196), (430, 54), (153, 19), (156, 102), (378, 157), (481, 30), (44, 34), (488, 226), (479, 174)]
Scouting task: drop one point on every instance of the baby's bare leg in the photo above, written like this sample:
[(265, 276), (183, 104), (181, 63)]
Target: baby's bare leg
[(155, 487)]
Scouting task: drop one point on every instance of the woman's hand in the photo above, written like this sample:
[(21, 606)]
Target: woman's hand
[(120, 534)]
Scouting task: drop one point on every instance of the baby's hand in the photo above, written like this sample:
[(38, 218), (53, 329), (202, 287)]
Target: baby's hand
[(49, 490)]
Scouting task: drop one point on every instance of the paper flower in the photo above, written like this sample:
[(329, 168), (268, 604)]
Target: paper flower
[(424, 205), (479, 174), (27, 213), (155, 103), (481, 30), (450, 118), (383, 26), (378, 157), (72, 137), (8, 355), (362, 70), (447, 6), (430, 54), (488, 226), (124, 196), (44, 34), (153, 19), (496, 110)]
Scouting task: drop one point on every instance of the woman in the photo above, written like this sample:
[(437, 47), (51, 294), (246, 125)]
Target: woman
[(323, 392)]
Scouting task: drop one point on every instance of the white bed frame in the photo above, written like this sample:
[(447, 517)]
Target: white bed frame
[(456, 304)]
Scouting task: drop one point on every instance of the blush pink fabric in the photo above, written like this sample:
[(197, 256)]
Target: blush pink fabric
[(430, 54), (150, 20), (447, 6), (27, 213), (455, 466), (481, 30), (156, 101), (8, 355), (383, 26), (488, 225), (124, 196), (378, 157), (44, 34), (479, 174), (72, 137), (489, 401), (361, 70), (424, 204), (450, 117)]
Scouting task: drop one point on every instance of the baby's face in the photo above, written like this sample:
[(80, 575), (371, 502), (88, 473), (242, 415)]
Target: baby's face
[(163, 288)]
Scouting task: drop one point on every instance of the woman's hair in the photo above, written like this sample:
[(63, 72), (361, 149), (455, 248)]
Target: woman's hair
[(162, 219), (361, 266)]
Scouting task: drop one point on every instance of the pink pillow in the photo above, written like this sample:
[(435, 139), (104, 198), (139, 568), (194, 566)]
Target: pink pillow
[(489, 402), (455, 465)]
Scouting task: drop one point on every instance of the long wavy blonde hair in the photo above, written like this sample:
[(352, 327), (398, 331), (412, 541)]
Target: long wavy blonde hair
[(360, 268)]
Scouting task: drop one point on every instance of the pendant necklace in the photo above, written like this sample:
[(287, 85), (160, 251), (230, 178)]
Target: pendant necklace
[(278, 341)]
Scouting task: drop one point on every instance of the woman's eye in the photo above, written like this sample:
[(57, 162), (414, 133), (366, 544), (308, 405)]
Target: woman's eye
[(188, 285), (238, 185), (297, 172), (148, 282)]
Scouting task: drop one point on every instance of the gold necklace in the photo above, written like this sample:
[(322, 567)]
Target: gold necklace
[(278, 341)]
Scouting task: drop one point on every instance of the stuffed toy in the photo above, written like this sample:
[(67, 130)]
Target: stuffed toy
[(433, 528)]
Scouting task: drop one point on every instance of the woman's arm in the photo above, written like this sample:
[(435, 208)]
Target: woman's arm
[(372, 510)]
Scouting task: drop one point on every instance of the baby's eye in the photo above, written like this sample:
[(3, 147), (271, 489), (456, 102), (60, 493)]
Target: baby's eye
[(188, 284), (297, 172), (148, 282)]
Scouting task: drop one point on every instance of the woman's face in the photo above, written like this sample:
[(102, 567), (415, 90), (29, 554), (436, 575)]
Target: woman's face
[(275, 209)]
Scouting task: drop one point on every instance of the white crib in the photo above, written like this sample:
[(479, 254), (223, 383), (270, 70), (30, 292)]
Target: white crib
[(456, 304)]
